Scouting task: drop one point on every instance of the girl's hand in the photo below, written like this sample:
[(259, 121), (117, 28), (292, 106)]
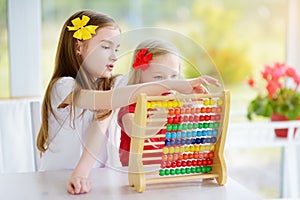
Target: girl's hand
[(79, 185), (208, 80)]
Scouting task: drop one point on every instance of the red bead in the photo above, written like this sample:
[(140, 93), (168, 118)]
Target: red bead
[(183, 163), (218, 117), (208, 110), (170, 120), (189, 163), (201, 118), (173, 164), (194, 162), (177, 111), (185, 118), (175, 120), (219, 109), (204, 162), (191, 156), (199, 162), (207, 117), (168, 164), (209, 162), (198, 110), (191, 118), (205, 155), (178, 163), (211, 154), (192, 111), (182, 110)]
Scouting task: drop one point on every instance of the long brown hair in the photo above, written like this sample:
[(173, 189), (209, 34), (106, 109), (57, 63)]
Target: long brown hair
[(67, 64)]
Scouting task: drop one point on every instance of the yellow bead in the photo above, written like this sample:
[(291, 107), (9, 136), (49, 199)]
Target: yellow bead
[(212, 102), (165, 150), (148, 105), (180, 104), (171, 150), (174, 104), (212, 147), (192, 148), (220, 102), (202, 148), (187, 148), (158, 104), (182, 149), (170, 104), (176, 149), (206, 102), (164, 104)]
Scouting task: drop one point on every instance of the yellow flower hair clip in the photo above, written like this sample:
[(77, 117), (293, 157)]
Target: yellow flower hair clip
[(82, 31)]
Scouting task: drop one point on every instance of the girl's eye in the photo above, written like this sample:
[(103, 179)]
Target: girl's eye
[(158, 77), (174, 76), (117, 50), (105, 47)]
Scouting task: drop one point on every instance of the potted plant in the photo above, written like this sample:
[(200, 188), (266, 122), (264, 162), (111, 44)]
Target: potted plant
[(279, 98)]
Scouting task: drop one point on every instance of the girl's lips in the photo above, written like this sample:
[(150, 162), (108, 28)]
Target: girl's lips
[(110, 67)]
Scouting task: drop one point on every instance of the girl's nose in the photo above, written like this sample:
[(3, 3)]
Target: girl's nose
[(113, 57)]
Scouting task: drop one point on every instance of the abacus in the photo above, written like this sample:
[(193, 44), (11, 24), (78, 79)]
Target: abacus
[(188, 143)]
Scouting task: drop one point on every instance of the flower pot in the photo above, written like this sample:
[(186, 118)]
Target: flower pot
[(281, 133)]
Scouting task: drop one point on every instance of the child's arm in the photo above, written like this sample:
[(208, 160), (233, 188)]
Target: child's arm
[(119, 97), (79, 182)]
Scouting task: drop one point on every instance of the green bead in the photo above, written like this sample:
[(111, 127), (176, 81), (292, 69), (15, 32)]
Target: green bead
[(190, 126), (179, 127), (205, 125), (198, 169), (174, 127), (167, 172), (208, 168), (216, 125), (182, 170), (169, 127), (172, 171), (161, 172), (188, 170), (200, 125), (177, 171), (184, 126), (193, 170), (211, 125), (203, 169), (195, 125)]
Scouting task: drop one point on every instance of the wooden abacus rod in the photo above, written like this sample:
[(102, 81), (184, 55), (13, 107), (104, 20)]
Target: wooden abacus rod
[(180, 178), (153, 143), (183, 96), (151, 158)]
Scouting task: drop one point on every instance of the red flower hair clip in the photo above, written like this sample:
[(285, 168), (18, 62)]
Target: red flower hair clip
[(141, 59)]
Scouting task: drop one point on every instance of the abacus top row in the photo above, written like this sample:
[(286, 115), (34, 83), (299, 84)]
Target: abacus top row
[(178, 104)]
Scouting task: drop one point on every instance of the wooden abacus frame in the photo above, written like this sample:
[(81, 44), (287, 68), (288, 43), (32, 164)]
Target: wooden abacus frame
[(137, 175)]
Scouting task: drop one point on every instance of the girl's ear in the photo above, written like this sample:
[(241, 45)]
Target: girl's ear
[(79, 47)]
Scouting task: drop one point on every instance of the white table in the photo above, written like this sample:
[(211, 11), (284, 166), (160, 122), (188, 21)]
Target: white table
[(112, 184)]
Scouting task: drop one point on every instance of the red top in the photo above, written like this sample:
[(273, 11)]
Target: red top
[(125, 139)]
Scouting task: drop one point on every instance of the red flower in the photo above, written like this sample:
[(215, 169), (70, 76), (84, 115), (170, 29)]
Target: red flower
[(142, 59), (251, 82)]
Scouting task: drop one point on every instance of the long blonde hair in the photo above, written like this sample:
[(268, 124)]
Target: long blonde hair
[(68, 64), (156, 47)]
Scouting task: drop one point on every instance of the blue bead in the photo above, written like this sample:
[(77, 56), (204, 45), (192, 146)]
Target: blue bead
[(172, 142), (188, 141), (199, 133), (183, 142), (207, 140), (168, 135), (178, 142), (202, 140), (178, 135), (198, 141), (173, 135), (183, 134), (209, 132), (194, 133), (215, 132), (189, 134), (213, 140), (204, 133), (193, 141), (167, 142)]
